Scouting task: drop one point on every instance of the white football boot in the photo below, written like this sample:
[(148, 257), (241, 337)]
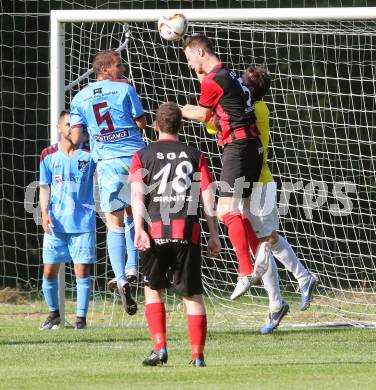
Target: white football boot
[(260, 267)]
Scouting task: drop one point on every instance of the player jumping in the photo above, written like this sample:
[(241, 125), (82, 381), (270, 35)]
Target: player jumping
[(113, 115), (227, 102), (264, 214)]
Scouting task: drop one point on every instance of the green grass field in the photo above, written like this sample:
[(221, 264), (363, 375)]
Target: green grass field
[(110, 357)]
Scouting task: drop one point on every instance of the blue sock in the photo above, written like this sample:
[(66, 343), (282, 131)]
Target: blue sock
[(83, 295), (132, 252), (116, 252), (50, 290)]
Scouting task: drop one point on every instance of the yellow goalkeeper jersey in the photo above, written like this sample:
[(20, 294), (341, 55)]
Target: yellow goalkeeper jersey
[(261, 111)]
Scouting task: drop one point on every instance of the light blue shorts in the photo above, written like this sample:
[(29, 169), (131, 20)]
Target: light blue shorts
[(114, 192), (65, 247)]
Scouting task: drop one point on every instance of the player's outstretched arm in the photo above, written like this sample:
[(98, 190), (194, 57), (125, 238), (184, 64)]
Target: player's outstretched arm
[(44, 200), (208, 202), (196, 113), (141, 237)]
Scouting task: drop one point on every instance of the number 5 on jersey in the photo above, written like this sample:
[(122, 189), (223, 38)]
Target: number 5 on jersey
[(106, 117)]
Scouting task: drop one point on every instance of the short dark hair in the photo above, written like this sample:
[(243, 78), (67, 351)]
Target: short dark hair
[(199, 40), (169, 118), (258, 80), (62, 113), (104, 59)]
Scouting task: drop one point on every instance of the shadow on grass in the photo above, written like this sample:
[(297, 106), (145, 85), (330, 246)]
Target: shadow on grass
[(315, 363), (283, 331), (76, 337), (84, 340)]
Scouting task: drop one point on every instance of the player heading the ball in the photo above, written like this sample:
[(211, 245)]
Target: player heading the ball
[(227, 103)]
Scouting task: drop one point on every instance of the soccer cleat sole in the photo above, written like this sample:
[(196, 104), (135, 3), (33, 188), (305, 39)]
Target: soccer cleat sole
[(131, 309), (112, 285), (132, 279), (147, 363), (129, 303)]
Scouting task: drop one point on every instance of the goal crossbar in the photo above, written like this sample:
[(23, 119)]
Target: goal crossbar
[(219, 14)]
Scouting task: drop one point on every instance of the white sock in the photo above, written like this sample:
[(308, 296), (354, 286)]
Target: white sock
[(283, 252), (271, 284)]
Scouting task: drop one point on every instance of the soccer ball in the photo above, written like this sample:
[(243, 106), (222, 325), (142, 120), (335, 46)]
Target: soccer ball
[(173, 27)]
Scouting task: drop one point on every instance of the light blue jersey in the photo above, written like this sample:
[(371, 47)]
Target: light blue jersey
[(108, 108), (71, 207)]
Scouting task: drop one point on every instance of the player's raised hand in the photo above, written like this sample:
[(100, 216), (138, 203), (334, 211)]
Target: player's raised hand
[(46, 223), (214, 246), (141, 240)]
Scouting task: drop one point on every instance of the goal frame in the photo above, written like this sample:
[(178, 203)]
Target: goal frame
[(59, 17)]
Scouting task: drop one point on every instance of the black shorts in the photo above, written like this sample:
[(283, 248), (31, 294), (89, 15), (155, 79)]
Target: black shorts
[(241, 167), (182, 258)]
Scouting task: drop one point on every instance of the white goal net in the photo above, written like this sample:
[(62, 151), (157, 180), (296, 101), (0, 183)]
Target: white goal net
[(322, 149), (322, 153)]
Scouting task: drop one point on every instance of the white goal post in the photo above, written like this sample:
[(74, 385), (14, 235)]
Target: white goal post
[(323, 141)]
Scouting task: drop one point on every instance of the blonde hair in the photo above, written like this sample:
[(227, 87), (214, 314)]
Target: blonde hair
[(104, 59)]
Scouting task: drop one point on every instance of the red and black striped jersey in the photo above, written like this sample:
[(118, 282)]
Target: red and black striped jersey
[(224, 92), (174, 174)]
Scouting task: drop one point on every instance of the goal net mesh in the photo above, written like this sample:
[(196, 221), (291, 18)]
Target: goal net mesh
[(322, 147)]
